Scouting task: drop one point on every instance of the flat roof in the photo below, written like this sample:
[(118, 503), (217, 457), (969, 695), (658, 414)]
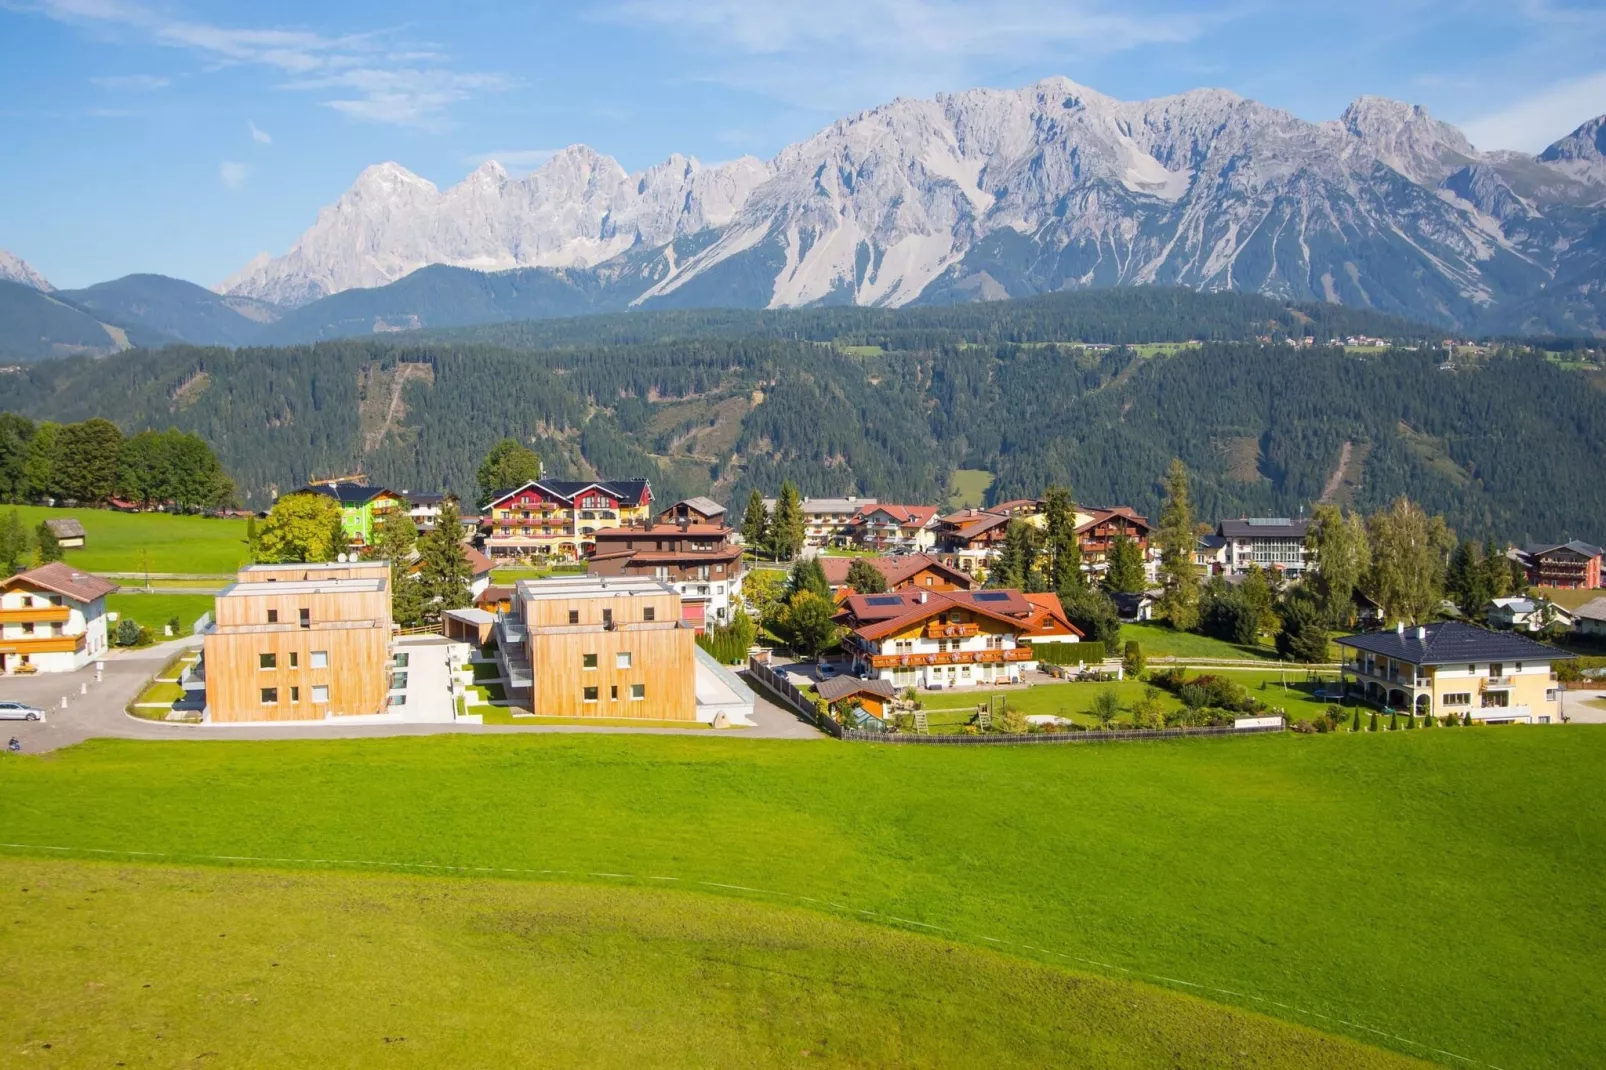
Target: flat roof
[(317, 566), (332, 586), (588, 586)]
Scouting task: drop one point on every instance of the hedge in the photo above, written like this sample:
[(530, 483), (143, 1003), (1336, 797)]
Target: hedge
[(1069, 653)]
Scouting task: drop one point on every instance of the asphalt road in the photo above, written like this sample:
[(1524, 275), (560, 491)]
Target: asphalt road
[(100, 712)]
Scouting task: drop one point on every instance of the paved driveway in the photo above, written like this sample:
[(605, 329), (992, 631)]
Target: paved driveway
[(100, 712), (1579, 706)]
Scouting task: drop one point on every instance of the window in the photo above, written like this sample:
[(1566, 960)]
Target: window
[(295, 694), (398, 700), (1496, 699), (1458, 698), (273, 616), (574, 616), (270, 696), (1496, 669), (588, 661), (267, 661), (398, 681), (1551, 693), (638, 691), (318, 659), (621, 660), (320, 693), (607, 617), (649, 613), (1517, 667), (400, 661), (590, 694), (306, 618), (1473, 669), (294, 658), (27, 629), (613, 692)]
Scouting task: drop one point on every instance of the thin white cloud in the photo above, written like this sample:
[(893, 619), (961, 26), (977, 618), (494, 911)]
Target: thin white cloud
[(390, 83), (831, 54), (233, 173), (131, 82), (515, 159), (1536, 121), (259, 135)]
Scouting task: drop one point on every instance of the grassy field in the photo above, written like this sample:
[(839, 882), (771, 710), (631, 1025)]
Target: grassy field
[(1445, 887), (177, 966), (135, 542), (506, 715), (155, 610), (1566, 597), (1159, 641), (967, 487)]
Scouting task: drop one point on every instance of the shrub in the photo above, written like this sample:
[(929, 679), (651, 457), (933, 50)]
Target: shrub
[(1010, 722), (1132, 661), (1069, 653), (1371, 725), (126, 633), (1107, 706), (1355, 724)]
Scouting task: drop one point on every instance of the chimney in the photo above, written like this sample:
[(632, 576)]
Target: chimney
[(1421, 632), (922, 597), (1399, 628)]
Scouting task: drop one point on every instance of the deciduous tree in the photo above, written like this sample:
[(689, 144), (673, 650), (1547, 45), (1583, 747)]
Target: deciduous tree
[(509, 464), (300, 527), (14, 543), (1410, 551), (1179, 577), (1343, 555), (49, 547)]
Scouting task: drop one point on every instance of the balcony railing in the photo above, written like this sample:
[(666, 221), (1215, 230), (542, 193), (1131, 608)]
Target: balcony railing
[(1500, 681), (42, 644), (939, 630), (36, 615), (951, 657)]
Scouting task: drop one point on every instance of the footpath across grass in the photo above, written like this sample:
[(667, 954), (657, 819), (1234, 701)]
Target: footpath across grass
[(230, 968), (1442, 886), (135, 542)]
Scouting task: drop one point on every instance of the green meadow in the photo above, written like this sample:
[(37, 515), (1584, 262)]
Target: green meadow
[(155, 542), (154, 610), (1436, 893)]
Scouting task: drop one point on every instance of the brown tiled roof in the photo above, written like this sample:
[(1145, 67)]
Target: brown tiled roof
[(63, 579), (664, 528), (477, 560), (1102, 515), (840, 687), (1048, 616), (494, 593), (724, 553), (874, 616), (902, 514), (896, 569)]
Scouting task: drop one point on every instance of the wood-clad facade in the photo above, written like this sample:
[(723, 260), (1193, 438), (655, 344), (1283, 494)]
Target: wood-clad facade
[(595, 647), (300, 643)]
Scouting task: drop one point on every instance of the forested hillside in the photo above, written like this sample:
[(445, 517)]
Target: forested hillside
[(1508, 444)]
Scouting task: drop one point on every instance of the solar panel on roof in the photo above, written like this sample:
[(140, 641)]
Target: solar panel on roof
[(884, 600), (992, 596), (1269, 522)]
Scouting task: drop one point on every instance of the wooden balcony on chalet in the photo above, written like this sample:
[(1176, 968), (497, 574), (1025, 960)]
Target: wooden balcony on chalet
[(42, 644), (952, 657), (939, 630), (36, 615)]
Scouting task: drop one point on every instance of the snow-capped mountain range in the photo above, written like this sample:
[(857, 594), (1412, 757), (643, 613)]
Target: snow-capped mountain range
[(15, 269), (993, 193)]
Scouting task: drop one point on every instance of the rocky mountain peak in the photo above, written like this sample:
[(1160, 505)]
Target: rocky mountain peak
[(15, 269)]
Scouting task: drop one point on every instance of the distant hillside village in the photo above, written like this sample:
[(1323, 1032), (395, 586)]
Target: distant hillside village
[(588, 598)]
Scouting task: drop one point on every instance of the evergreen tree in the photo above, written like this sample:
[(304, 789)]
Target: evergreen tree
[(39, 467), (508, 465), (1094, 614), (253, 549), (1497, 572), (1124, 573), (1466, 580), (408, 603), (1303, 636), (1016, 565), (49, 547), (1371, 726), (1179, 577), (443, 567), (756, 525), (1061, 549), (865, 577), (1355, 725), (786, 526), (808, 575)]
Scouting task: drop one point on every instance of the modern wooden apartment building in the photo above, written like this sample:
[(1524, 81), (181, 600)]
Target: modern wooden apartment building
[(599, 646), (300, 643)]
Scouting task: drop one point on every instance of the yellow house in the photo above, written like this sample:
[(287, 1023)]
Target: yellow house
[(551, 518), (1455, 668)]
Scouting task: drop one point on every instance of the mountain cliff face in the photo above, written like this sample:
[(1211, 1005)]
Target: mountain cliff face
[(996, 193), (15, 269)]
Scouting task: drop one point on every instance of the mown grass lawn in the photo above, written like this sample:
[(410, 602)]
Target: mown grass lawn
[(156, 609), (229, 968), (1442, 886), (134, 542), (1158, 640), (968, 487)]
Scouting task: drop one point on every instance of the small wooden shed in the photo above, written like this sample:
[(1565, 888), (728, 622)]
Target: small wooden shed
[(68, 530)]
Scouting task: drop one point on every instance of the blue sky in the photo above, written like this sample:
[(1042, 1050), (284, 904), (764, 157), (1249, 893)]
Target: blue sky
[(185, 136)]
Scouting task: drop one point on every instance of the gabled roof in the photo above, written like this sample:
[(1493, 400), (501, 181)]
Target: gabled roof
[(706, 506), (66, 527), (905, 515), (874, 616), (840, 687), (1582, 549), (1451, 643), (971, 523), (425, 500), (663, 529), (1100, 516), (1048, 616), (565, 490), (896, 569), (1592, 610), (345, 493), (63, 579)]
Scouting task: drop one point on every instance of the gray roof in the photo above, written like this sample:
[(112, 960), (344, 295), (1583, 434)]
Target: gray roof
[(1451, 643), (65, 527), (706, 506), (841, 686), (1262, 527), (1583, 549), (1592, 610), (1211, 542)]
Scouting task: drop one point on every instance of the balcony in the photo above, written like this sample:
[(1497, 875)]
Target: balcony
[(36, 615), (1500, 681), (938, 630), (952, 657), (42, 644)]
